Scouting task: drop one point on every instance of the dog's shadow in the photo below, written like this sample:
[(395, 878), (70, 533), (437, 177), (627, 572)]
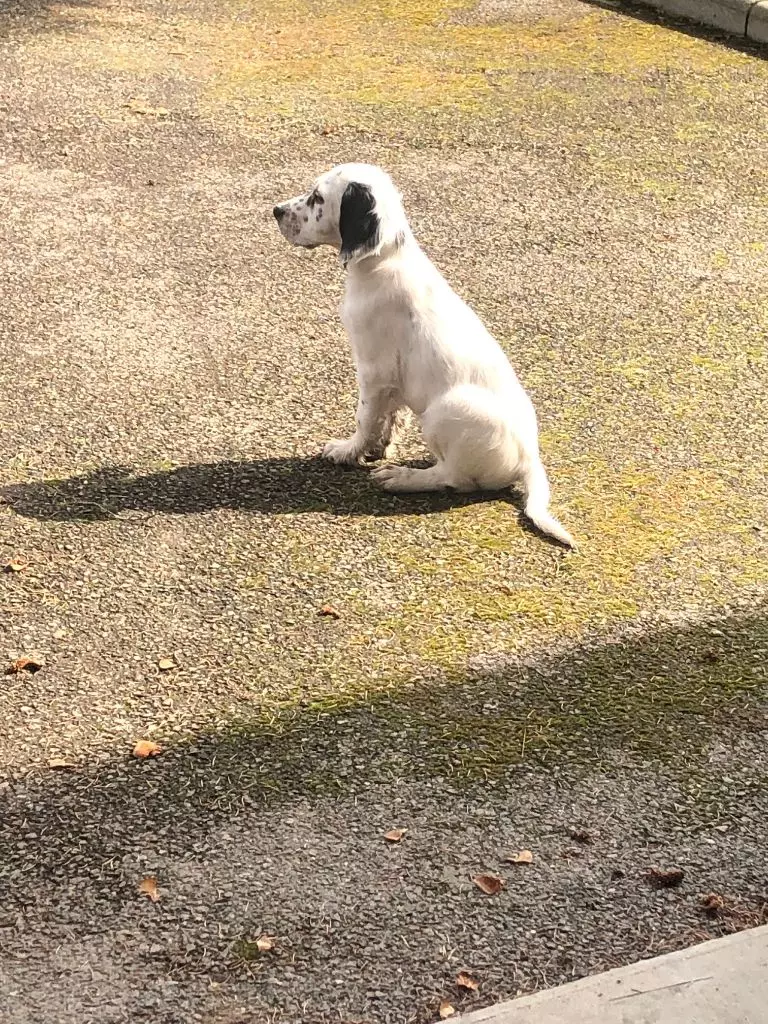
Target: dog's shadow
[(276, 486)]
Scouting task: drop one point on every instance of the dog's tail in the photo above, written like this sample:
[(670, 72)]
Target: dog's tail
[(536, 491)]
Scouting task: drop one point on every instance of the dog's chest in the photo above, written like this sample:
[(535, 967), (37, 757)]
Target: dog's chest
[(360, 310), (373, 318)]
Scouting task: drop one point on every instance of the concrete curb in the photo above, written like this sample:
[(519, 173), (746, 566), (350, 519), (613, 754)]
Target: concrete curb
[(745, 18), (724, 981), (757, 22)]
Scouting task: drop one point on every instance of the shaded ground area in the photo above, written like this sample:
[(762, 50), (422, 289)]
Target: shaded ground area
[(594, 183), (253, 832)]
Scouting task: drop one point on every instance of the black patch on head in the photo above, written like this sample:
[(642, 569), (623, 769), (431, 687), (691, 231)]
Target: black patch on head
[(315, 199), (358, 224)]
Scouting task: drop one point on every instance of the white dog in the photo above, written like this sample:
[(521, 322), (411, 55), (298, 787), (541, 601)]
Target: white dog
[(418, 346)]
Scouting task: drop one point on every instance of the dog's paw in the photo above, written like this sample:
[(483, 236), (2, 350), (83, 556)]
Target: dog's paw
[(392, 478), (343, 452)]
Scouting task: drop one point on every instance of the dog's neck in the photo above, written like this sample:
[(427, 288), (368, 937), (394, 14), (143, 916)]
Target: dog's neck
[(367, 264)]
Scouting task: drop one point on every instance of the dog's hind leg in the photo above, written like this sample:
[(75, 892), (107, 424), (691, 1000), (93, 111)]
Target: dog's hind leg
[(404, 479), (458, 435)]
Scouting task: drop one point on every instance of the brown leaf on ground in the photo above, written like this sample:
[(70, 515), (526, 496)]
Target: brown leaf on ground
[(33, 664), (665, 879), (395, 834), (446, 1010), (464, 980), (581, 835), (712, 904), (15, 565), (60, 764), (146, 748), (142, 108), (166, 664), (265, 942), (733, 914), (491, 885), (329, 612), (148, 886), (523, 857)]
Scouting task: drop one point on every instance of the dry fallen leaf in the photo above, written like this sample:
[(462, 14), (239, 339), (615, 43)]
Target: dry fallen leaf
[(60, 763), (166, 664), (148, 886), (33, 664), (264, 943), (464, 980), (146, 748), (713, 904), (395, 834), (523, 857), (14, 566), (329, 612), (665, 879), (446, 1010), (142, 108), (489, 884)]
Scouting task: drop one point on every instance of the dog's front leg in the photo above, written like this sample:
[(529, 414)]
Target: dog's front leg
[(375, 409), (391, 428)]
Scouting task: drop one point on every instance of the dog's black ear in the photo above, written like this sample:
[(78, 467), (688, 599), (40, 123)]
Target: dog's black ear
[(358, 224)]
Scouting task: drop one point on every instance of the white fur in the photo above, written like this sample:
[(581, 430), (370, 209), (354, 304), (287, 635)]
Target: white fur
[(417, 345)]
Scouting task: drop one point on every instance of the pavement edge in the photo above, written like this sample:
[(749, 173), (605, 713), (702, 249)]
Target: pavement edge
[(745, 18), (722, 981)]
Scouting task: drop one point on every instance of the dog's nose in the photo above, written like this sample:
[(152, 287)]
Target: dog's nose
[(279, 212)]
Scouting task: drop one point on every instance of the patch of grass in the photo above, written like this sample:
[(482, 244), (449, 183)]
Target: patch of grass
[(246, 950), (293, 56), (626, 103), (632, 521), (661, 696)]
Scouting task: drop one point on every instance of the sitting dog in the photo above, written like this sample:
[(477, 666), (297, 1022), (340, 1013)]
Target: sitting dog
[(418, 346)]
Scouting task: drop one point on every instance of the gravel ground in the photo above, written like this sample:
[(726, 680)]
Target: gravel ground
[(593, 181)]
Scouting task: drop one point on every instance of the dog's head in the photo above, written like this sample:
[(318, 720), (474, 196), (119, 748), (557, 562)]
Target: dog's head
[(353, 207)]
